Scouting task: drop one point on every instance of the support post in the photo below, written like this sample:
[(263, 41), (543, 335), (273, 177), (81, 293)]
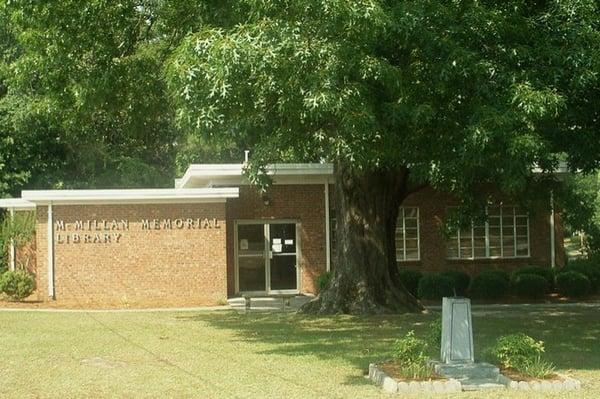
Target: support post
[(552, 233), (327, 229), (12, 249), (50, 252)]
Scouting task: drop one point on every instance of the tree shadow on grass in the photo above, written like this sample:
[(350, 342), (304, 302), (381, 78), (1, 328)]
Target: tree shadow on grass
[(571, 336), (355, 340)]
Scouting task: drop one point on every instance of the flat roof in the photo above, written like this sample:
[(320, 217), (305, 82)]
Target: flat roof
[(139, 196), (17, 204), (198, 175)]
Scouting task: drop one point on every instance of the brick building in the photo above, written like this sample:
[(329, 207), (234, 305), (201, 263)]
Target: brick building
[(215, 236)]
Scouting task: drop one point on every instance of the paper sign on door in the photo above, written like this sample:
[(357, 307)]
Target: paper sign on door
[(243, 244)]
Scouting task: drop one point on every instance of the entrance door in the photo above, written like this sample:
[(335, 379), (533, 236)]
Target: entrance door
[(267, 258)]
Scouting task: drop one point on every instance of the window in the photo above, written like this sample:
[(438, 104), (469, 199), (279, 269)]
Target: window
[(407, 234), (504, 235)]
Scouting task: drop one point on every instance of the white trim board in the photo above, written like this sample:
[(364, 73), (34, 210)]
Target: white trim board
[(17, 204), (130, 196)]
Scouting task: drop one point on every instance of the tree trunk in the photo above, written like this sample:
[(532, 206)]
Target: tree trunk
[(365, 276)]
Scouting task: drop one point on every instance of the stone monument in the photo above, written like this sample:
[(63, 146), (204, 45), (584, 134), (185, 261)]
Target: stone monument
[(457, 331), (457, 354)]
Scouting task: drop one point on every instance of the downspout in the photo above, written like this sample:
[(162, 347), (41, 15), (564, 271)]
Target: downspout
[(327, 228), (552, 233), (13, 250), (50, 252)]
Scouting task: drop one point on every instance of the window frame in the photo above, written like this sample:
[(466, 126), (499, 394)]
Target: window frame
[(501, 215), (402, 227)]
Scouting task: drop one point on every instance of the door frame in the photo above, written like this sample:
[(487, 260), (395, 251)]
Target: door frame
[(267, 250)]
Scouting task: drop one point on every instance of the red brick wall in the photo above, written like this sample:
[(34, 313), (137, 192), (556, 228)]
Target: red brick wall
[(302, 203), (165, 267), (432, 209)]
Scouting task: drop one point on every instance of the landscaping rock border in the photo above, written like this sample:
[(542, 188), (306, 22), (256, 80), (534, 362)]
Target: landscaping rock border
[(390, 385), (567, 384)]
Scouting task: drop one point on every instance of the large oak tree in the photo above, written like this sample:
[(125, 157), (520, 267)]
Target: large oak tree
[(397, 94)]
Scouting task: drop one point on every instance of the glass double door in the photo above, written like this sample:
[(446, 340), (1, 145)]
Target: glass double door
[(267, 257)]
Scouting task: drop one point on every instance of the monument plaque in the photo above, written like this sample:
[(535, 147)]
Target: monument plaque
[(457, 331)]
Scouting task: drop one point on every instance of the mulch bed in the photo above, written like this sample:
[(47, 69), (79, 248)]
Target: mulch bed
[(392, 369)]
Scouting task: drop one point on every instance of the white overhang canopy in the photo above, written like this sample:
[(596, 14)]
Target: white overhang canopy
[(129, 196), (17, 204), (207, 175)]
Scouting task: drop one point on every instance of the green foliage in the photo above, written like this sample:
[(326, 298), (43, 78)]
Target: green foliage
[(323, 281), (17, 285), (522, 353), (580, 203), (434, 334), (82, 97), (545, 272), (460, 281), (410, 353), (435, 286), (490, 284), (410, 279), (529, 285), (20, 229), (590, 267), (573, 284)]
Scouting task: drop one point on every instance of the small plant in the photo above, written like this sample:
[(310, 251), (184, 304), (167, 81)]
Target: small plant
[(434, 334), (435, 286), (529, 285), (492, 284), (17, 285), (523, 354), (323, 281), (538, 368), (410, 279), (461, 281), (573, 284), (410, 353)]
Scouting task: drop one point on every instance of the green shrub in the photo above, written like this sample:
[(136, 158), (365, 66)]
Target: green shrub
[(323, 281), (410, 353), (410, 280), (589, 267), (545, 272), (490, 284), (435, 286), (529, 285), (434, 334), (522, 353), (573, 284), (500, 273), (17, 285), (461, 281)]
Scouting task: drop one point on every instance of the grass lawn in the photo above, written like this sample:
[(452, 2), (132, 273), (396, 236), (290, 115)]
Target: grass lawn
[(228, 355)]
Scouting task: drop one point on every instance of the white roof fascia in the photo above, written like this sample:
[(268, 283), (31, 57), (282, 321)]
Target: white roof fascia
[(18, 204), (130, 196), (232, 173)]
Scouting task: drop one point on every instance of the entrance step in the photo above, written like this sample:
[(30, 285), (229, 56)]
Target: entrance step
[(269, 303)]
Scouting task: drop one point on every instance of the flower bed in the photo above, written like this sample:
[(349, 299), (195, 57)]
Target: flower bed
[(378, 374)]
